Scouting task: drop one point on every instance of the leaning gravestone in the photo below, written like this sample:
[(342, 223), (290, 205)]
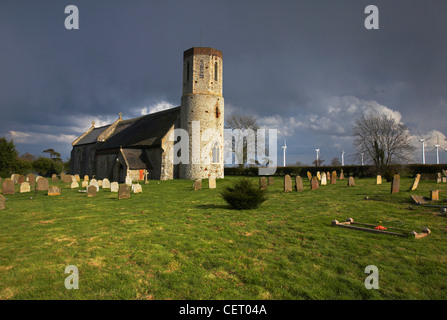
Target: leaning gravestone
[(8, 187), (54, 191), (197, 185), (298, 184), (2, 202), (395, 184), (351, 182), (318, 176), (323, 179), (42, 184), (25, 187), (114, 186), (271, 181), (287, 183), (106, 184), (91, 191), (263, 183), (334, 177), (314, 183), (415, 182), (379, 179), (212, 182), (309, 175), (124, 192)]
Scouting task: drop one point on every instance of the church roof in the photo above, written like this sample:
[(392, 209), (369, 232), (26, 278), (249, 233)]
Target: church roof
[(136, 159), (145, 131), (92, 136)]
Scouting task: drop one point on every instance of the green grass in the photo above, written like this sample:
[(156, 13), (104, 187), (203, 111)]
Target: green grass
[(171, 242)]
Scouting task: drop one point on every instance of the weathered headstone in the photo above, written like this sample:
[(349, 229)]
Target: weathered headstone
[(434, 195), (84, 184), (309, 175), (379, 179), (73, 179), (298, 184), (314, 183), (444, 179), (54, 178), (2, 202), (342, 176), (42, 184), (86, 178), (25, 187), (74, 185), (21, 179), (197, 185), (415, 182), (54, 191), (91, 191), (351, 182), (418, 199), (78, 178), (66, 178), (323, 179), (31, 179), (15, 178), (8, 187), (136, 188), (328, 177), (263, 183), (271, 181), (287, 183), (395, 184), (114, 186), (212, 182), (124, 191), (334, 177), (129, 180), (106, 184), (100, 183), (318, 176), (94, 182)]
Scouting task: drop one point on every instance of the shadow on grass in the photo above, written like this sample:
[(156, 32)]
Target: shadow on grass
[(213, 206)]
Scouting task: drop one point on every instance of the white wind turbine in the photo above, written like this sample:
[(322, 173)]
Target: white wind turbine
[(284, 147), (422, 140), (437, 149), (343, 158), (318, 154)]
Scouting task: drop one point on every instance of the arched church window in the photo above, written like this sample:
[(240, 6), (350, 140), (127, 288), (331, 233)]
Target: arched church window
[(202, 70), (216, 152), (216, 70)]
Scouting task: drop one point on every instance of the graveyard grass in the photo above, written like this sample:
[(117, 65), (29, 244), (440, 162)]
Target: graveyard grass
[(171, 242)]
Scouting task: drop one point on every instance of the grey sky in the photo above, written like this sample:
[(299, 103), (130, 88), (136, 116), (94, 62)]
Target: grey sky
[(306, 68)]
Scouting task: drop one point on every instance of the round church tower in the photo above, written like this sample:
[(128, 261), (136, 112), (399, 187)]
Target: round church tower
[(202, 113)]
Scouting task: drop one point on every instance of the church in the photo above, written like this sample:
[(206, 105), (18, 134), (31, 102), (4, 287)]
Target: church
[(142, 148)]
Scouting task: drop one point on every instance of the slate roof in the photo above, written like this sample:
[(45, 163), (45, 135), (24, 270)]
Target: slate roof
[(143, 132), (137, 159)]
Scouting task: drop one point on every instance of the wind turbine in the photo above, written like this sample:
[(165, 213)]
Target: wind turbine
[(362, 154), (437, 149), (423, 149), (343, 158), (318, 153), (284, 147)]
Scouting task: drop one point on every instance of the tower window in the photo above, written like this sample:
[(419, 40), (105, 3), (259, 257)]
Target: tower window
[(187, 71), (216, 69), (202, 70), (216, 152)]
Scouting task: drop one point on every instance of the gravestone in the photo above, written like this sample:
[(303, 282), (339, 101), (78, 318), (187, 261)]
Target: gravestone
[(298, 184), (309, 175), (124, 191), (395, 184), (287, 183), (93, 182), (86, 178), (42, 184), (73, 179), (415, 182), (91, 191), (351, 182), (31, 179), (66, 178), (8, 187), (328, 177), (100, 183), (323, 179), (2, 202), (444, 172), (342, 176), (15, 178), (21, 179), (271, 181), (444, 179), (78, 178), (434, 195), (438, 177), (129, 180), (54, 191), (212, 182), (334, 177), (54, 178), (84, 184), (106, 184), (197, 185), (74, 185), (379, 179), (136, 188), (263, 183), (25, 187), (318, 176), (114, 186), (314, 183)]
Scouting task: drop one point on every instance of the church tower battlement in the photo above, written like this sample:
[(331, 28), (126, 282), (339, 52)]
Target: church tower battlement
[(202, 112)]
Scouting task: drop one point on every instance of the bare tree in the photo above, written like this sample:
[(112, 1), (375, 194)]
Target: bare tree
[(382, 140), (335, 162), (242, 123)]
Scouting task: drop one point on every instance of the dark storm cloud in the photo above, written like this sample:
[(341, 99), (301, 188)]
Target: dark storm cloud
[(294, 64)]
